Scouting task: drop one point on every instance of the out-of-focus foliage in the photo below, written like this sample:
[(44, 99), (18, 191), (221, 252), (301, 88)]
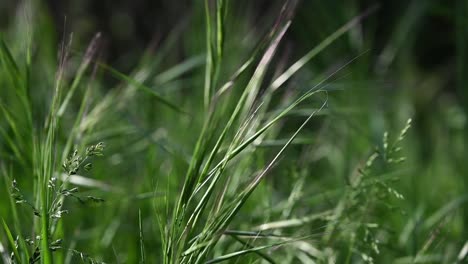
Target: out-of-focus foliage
[(354, 185)]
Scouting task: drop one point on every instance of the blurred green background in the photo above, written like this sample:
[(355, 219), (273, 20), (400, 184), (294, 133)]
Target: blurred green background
[(409, 59)]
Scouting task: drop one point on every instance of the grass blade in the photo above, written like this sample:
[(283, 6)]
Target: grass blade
[(11, 241), (286, 75), (250, 250), (209, 66), (142, 245), (258, 252), (142, 87), (89, 55)]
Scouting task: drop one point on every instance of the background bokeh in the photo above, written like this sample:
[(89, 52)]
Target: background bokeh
[(409, 60)]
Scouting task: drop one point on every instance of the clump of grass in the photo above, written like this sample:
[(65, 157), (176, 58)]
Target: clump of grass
[(231, 172), (55, 212), (353, 219), (49, 188), (191, 236)]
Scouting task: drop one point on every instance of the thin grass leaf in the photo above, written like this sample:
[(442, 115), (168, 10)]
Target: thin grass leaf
[(447, 209), (221, 7), (281, 142), (12, 144), (258, 252), (88, 57), (178, 70), (401, 34), (293, 222), (286, 75), (142, 245), (234, 77), (142, 87), (11, 241), (76, 132), (250, 250), (17, 78), (89, 182), (209, 65), (10, 64), (256, 234)]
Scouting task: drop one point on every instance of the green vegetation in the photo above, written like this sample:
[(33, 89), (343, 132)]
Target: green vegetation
[(247, 149)]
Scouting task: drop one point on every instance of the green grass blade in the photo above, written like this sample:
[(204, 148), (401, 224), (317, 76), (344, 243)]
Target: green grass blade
[(142, 245), (142, 87), (178, 70), (241, 253), (288, 223), (443, 212), (88, 57), (286, 75), (258, 252), (11, 241), (209, 65), (220, 27), (17, 78), (10, 63)]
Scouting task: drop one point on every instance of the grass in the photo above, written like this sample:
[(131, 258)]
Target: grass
[(240, 152)]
